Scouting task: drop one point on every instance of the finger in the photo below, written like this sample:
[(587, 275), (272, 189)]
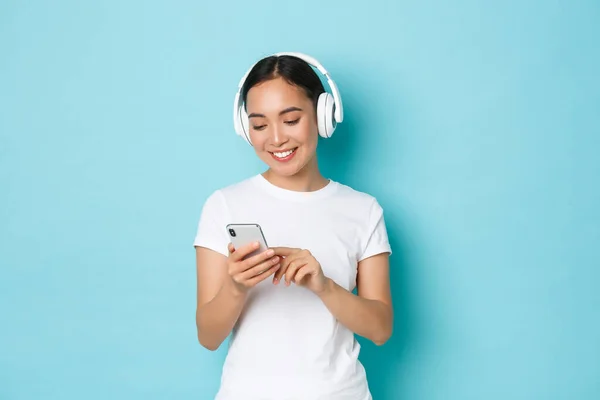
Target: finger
[(258, 269), (292, 269), (279, 273), (300, 265), (244, 251), (262, 276), (230, 248), (250, 262), (302, 272), (284, 251), (284, 266)]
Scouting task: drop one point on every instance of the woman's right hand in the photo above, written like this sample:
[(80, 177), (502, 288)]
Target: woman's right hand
[(245, 274)]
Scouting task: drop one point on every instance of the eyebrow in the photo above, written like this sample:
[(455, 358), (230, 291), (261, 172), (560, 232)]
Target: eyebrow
[(287, 110)]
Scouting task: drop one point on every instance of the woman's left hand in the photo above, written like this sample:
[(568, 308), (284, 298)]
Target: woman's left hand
[(301, 267)]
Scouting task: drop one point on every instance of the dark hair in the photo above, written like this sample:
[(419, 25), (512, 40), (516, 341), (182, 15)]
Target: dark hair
[(294, 70)]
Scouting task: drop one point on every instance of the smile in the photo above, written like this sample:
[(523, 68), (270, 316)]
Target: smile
[(284, 155)]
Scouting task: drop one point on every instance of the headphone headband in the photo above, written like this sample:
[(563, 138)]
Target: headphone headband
[(338, 111)]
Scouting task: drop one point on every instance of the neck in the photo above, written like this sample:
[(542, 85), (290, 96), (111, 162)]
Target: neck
[(308, 179)]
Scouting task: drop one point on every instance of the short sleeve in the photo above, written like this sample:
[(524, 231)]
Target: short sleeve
[(211, 232), (376, 238)]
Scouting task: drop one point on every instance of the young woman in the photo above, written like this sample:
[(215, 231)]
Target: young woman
[(291, 310)]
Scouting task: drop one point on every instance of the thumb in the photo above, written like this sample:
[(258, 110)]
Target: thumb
[(283, 251)]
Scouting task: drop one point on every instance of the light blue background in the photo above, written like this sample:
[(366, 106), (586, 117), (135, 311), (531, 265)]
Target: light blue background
[(475, 124)]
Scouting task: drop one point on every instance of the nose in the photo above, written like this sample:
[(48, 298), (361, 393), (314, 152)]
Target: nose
[(278, 138)]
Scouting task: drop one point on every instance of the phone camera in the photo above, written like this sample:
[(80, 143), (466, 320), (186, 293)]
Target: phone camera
[(232, 232)]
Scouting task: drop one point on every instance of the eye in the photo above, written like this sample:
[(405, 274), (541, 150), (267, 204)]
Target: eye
[(258, 127), (294, 122)]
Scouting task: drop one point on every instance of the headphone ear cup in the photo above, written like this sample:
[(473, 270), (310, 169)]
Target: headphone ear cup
[(244, 125), (325, 109)]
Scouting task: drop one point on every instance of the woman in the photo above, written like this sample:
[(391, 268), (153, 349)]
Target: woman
[(292, 325)]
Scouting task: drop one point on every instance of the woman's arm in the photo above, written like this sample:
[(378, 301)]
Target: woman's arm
[(218, 304), (222, 286), (370, 314)]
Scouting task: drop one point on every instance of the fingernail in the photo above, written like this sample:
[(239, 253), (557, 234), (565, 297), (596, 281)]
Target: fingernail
[(270, 252)]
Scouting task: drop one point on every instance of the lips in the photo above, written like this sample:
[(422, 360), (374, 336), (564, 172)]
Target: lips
[(283, 156)]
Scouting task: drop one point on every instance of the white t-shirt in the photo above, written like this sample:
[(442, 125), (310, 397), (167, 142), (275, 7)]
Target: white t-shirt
[(286, 344)]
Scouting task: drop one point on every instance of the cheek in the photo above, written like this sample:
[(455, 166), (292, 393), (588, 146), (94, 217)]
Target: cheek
[(307, 133), (257, 139)]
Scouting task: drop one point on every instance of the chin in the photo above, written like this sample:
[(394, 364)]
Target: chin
[(285, 168), (285, 171)]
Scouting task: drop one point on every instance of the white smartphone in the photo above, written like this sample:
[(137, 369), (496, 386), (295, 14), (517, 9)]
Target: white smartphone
[(243, 234)]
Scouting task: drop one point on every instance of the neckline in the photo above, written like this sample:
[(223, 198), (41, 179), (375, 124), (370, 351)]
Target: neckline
[(295, 195)]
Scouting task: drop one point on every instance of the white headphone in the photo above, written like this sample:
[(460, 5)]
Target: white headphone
[(329, 106)]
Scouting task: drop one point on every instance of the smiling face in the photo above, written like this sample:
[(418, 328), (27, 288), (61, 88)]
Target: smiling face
[(283, 126)]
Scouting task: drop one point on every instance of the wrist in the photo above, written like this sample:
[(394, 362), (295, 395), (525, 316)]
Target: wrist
[(232, 289), (328, 288)]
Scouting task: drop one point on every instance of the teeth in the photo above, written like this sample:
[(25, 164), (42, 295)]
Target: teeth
[(283, 155)]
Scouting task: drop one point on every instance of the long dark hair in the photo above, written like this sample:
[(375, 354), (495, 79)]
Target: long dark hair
[(294, 70)]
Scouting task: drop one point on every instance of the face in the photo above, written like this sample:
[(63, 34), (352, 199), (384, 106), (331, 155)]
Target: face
[(283, 126)]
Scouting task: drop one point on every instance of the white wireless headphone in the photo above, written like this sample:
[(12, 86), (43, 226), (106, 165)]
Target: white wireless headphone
[(329, 106)]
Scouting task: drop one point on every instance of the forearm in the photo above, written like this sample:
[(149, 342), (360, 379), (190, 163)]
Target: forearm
[(371, 319), (216, 319)]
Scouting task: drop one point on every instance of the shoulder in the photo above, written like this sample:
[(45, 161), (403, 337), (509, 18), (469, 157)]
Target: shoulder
[(233, 189), (357, 198), (217, 204)]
